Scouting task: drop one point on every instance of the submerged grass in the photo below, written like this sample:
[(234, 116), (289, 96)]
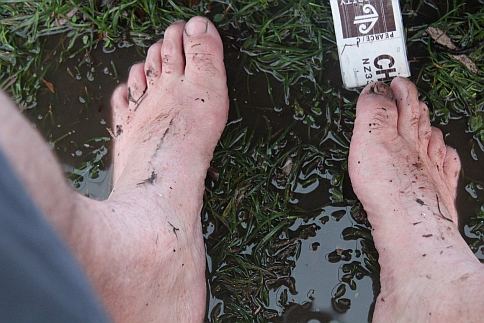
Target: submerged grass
[(250, 208), (251, 200), (251, 204)]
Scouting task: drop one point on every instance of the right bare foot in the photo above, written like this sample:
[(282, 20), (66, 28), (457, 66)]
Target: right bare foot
[(406, 179)]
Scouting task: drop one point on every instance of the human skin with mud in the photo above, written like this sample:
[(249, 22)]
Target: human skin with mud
[(428, 273), (143, 247)]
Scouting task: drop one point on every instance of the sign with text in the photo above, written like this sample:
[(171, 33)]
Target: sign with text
[(371, 44)]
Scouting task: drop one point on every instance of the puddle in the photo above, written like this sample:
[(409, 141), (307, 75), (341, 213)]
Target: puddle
[(73, 113), (74, 118)]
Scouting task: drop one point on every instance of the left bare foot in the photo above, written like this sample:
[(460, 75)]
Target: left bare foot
[(147, 258)]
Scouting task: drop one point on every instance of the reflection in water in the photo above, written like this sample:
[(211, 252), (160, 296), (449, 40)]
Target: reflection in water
[(304, 313), (73, 112)]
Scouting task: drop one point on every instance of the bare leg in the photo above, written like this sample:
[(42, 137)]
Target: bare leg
[(406, 179), (143, 247)]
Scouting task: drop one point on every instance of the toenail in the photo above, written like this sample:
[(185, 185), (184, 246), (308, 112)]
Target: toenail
[(382, 89), (379, 88), (196, 26)]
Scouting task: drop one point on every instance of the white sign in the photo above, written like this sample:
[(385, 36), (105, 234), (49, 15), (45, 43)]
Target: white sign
[(371, 43)]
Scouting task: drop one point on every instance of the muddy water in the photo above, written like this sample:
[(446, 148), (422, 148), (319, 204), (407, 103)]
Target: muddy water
[(74, 113), (74, 120)]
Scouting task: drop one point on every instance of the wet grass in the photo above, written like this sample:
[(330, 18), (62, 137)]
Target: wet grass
[(451, 87), (265, 176), (251, 205), (287, 39), (85, 24)]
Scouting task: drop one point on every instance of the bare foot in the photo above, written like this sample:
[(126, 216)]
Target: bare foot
[(143, 247), (406, 179), (147, 256)]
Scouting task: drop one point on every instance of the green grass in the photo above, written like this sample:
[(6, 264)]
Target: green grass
[(251, 200), (252, 204), (251, 217), (452, 88), (85, 24)]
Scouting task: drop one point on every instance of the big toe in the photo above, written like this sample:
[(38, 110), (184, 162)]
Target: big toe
[(204, 54), (374, 131), (376, 113), (376, 123)]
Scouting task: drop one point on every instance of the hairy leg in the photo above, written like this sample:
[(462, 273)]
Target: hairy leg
[(406, 179)]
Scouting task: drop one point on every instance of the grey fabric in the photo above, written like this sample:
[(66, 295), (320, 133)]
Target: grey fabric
[(40, 281)]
